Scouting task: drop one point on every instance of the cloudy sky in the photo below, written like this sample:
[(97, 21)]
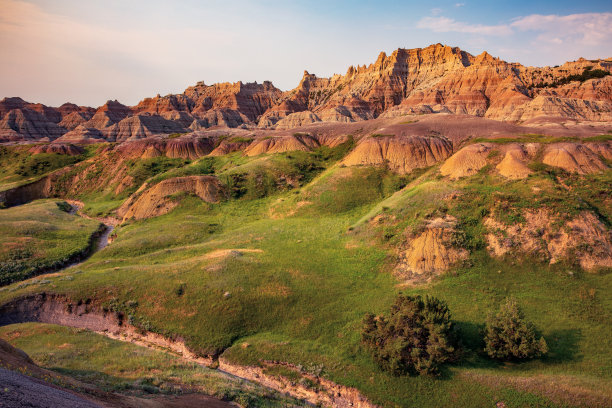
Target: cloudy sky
[(90, 51)]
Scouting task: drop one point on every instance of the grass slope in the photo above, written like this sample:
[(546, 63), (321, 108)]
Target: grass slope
[(38, 236), (280, 276), (125, 368)]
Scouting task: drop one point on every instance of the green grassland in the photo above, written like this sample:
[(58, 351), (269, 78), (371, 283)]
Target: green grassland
[(122, 367), (38, 236), (290, 268), (19, 166)]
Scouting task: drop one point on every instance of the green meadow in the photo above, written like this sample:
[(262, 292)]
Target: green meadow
[(287, 274), (40, 236)]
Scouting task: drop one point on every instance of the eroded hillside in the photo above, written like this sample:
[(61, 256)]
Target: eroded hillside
[(435, 79), (260, 250)]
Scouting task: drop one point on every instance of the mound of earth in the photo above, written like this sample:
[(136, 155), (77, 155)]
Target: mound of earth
[(429, 253), (402, 154), (161, 198), (467, 161), (182, 147), (513, 165), (584, 239), (575, 158), (231, 145), (59, 148), (581, 158), (281, 144)]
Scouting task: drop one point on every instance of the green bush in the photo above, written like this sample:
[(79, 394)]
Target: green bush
[(508, 336), (417, 337)]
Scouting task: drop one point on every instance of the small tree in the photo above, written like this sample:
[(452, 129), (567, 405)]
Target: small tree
[(508, 336), (417, 338)]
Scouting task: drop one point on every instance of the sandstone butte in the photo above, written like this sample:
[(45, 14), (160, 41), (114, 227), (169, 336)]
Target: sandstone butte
[(434, 79)]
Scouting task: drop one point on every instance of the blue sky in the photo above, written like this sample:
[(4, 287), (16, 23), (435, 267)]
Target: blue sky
[(90, 51)]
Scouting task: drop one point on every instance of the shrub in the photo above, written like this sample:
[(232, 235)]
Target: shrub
[(508, 336), (417, 337)]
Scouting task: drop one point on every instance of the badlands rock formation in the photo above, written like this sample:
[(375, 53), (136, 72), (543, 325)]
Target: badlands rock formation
[(584, 237), (401, 154), (435, 79), (161, 198), (574, 157), (430, 252)]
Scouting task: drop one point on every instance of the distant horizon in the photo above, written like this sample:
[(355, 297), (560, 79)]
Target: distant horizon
[(69, 51)]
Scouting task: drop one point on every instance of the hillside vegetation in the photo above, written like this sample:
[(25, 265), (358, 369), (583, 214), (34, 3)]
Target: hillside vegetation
[(279, 268)]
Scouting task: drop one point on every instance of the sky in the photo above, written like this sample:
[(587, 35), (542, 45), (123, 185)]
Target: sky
[(90, 51)]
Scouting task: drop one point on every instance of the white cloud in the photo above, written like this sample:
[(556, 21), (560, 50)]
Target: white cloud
[(459, 4), (587, 28), (444, 25), (436, 11)]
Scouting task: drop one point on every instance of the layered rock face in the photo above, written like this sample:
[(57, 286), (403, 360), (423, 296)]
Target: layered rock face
[(401, 154), (199, 107), (435, 79)]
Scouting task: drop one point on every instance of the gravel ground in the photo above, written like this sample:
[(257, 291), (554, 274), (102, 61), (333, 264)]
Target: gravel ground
[(20, 391)]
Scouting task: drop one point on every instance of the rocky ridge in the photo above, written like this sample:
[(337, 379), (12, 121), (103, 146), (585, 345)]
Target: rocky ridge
[(435, 79)]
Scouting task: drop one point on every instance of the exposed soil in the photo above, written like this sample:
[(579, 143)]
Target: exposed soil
[(429, 253), (584, 238), (158, 199), (401, 154)]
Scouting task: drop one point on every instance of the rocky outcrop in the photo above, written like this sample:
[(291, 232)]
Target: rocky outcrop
[(108, 114), (513, 166), (162, 197), (435, 79), (583, 239), (429, 253), (75, 119), (182, 147), (82, 135), (552, 106), (27, 124), (400, 154), (581, 158), (140, 127), (230, 145), (298, 141), (575, 158), (297, 119), (467, 161)]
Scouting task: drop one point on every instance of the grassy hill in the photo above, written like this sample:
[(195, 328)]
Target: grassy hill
[(286, 264)]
